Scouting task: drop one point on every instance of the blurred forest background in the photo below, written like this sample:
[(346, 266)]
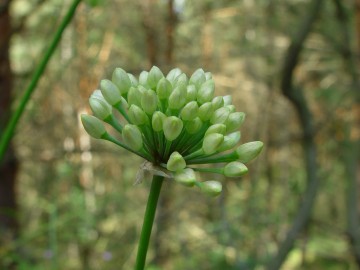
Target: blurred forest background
[(68, 201)]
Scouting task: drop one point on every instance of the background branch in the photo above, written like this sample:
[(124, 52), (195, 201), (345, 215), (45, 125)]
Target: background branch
[(296, 97)]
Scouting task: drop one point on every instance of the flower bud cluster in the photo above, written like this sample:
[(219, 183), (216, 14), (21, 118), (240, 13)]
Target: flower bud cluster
[(173, 121)]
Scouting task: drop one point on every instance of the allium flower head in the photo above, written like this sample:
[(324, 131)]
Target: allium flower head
[(174, 122)]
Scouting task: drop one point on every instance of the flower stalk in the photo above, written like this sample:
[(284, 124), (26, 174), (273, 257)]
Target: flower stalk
[(148, 222)]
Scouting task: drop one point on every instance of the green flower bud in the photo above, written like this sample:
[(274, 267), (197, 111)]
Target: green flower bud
[(217, 128), (206, 111), (172, 127), (93, 126), (235, 169), (149, 101), (208, 75), (163, 89), (220, 116), (100, 107), (134, 81), (180, 80), (158, 121), (173, 74), (206, 92), (177, 98), (217, 102), (97, 94), (176, 162), (235, 121), (212, 142), (230, 141), (121, 80), (110, 92), (142, 89), (191, 93), (134, 96), (137, 115), (231, 108), (190, 110), (143, 78), (198, 78), (227, 100), (185, 177), (249, 151), (193, 126), (211, 188), (132, 137), (155, 75)]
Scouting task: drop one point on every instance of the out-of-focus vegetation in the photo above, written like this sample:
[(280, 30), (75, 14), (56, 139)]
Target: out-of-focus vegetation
[(77, 206)]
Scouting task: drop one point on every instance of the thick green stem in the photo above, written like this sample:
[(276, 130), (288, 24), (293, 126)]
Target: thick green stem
[(148, 222), (9, 130)]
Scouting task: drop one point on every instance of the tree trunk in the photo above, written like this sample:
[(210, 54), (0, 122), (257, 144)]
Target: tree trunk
[(296, 97), (351, 144), (148, 8), (170, 28), (8, 166)]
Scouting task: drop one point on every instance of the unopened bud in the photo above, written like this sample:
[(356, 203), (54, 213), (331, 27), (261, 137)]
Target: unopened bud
[(217, 128), (235, 169), (173, 74), (93, 126), (163, 89), (155, 75), (177, 98), (134, 96), (143, 78), (220, 116), (100, 107), (230, 141), (206, 92), (157, 121), (132, 137), (190, 110), (212, 142), (185, 177), (198, 78), (149, 101), (217, 102), (206, 111), (172, 127), (208, 75), (234, 121), (121, 80), (176, 162), (227, 100), (97, 94), (211, 188), (134, 81), (231, 108), (191, 93), (193, 126), (249, 151), (181, 79), (137, 115), (110, 92)]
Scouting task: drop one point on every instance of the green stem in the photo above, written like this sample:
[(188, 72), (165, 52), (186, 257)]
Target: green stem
[(141, 153), (114, 123), (10, 127), (122, 111), (216, 159), (209, 170), (148, 221)]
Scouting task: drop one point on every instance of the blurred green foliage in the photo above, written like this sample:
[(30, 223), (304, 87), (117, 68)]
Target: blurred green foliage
[(78, 206)]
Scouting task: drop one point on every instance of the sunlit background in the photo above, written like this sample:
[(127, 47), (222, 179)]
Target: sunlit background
[(78, 207)]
